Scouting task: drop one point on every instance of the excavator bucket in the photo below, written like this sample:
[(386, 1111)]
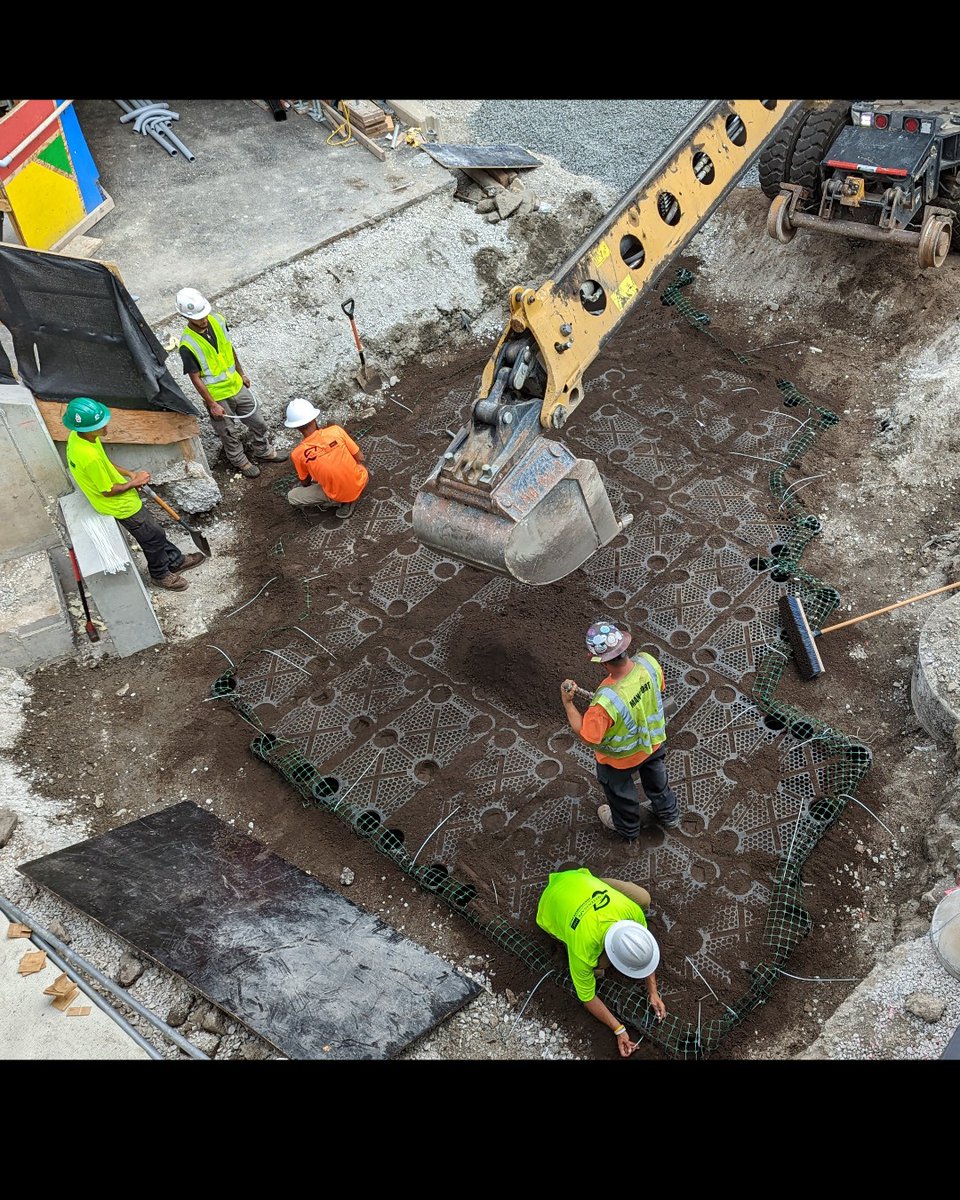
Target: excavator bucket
[(539, 521)]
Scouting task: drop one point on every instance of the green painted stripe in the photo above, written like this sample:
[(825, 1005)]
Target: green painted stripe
[(55, 155)]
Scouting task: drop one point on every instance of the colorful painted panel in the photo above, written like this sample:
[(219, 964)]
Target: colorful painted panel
[(52, 184)]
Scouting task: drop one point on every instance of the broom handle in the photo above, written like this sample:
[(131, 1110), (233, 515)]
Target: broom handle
[(899, 604)]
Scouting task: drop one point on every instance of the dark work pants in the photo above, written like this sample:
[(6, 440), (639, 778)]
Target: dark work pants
[(620, 788), (163, 557)]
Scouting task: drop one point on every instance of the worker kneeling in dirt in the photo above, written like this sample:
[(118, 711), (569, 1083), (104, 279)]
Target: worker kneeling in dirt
[(328, 461), (113, 491), (602, 923)]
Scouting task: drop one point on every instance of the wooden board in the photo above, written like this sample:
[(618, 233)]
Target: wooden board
[(335, 120), (126, 425)]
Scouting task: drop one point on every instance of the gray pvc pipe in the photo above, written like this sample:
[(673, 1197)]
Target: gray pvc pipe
[(187, 153), (16, 914), (121, 1020)]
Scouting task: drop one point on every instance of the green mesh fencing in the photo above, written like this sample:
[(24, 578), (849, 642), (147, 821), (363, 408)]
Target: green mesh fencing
[(787, 921)]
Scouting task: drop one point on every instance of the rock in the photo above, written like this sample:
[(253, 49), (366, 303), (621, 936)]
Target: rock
[(123, 691), (507, 203), (773, 306), (511, 997), (487, 205), (129, 971), (213, 1020), (923, 1005), (178, 1013), (58, 931), (493, 218), (253, 1051), (8, 823), (347, 876)]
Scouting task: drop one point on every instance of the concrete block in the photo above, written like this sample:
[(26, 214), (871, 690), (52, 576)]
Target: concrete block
[(33, 476), (935, 686), (416, 115), (111, 576), (34, 626)]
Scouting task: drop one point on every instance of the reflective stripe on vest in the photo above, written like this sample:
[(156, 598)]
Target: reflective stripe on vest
[(637, 727), (217, 370)]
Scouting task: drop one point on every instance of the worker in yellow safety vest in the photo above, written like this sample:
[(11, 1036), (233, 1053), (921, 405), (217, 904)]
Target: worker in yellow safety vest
[(626, 726), (210, 360)]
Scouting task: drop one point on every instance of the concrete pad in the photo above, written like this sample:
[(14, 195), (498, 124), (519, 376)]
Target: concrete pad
[(111, 576), (945, 931), (259, 193), (33, 475), (31, 1028), (34, 627), (935, 686)]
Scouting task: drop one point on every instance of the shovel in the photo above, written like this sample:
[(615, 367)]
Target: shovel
[(199, 540), (368, 379)]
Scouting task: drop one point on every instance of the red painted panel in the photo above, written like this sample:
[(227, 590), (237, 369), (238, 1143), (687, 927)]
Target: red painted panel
[(17, 124)]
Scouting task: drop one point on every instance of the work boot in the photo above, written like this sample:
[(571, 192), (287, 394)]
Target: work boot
[(171, 582), (670, 822), (248, 469), (273, 456), (606, 820), (344, 510), (190, 561)]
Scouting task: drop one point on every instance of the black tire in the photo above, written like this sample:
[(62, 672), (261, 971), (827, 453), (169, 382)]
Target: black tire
[(773, 165), (949, 197), (816, 137)]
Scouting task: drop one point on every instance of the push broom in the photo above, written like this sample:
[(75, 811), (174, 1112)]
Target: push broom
[(801, 636)]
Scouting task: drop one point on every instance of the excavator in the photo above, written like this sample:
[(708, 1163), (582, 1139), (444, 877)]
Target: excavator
[(504, 497)]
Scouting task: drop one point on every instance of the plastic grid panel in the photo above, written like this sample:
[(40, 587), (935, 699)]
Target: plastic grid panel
[(271, 675), (406, 579), (682, 602), (345, 626), (430, 732), (652, 543), (617, 436)]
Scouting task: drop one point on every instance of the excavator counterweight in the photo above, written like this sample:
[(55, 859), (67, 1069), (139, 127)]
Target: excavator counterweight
[(508, 499)]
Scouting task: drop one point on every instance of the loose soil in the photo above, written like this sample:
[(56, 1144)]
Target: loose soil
[(687, 413)]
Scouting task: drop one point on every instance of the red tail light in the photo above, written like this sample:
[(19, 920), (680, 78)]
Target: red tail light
[(881, 120), (911, 124)]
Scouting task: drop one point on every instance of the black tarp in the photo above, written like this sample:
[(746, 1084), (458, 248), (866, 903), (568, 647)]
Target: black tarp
[(77, 332)]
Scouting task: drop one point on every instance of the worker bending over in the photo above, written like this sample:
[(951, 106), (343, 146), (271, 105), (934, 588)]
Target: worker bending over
[(602, 923), (329, 462)]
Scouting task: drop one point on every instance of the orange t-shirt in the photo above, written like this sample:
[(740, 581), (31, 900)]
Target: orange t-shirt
[(327, 457), (596, 722)]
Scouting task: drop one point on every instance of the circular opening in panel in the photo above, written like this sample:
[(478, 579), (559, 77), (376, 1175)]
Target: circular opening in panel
[(703, 167), (504, 739), (668, 206), (398, 608), (439, 694), (736, 130), (632, 251), (444, 570), (384, 738), (547, 768), (593, 297), (426, 770)]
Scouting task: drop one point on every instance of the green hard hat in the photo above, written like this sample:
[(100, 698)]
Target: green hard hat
[(85, 415)]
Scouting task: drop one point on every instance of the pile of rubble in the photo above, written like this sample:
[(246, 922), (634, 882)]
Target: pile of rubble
[(497, 194)]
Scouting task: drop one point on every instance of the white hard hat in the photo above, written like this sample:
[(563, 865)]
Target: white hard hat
[(632, 949), (300, 412), (191, 304)]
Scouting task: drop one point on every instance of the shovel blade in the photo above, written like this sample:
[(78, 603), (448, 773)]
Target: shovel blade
[(369, 380)]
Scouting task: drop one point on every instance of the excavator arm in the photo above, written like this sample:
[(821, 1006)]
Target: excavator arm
[(507, 499)]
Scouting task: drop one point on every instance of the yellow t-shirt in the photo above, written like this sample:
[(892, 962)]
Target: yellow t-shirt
[(95, 474), (578, 908)]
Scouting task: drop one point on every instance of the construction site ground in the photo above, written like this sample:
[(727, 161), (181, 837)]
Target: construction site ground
[(858, 328)]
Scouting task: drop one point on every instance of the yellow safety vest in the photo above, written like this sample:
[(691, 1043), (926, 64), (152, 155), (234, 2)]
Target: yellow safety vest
[(635, 705), (217, 366)]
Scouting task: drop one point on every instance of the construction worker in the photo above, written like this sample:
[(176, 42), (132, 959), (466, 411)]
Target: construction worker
[(626, 725), (329, 462), (113, 491), (602, 923), (209, 358)]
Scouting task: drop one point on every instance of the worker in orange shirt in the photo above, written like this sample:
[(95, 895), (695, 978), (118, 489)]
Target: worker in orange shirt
[(329, 462), (626, 727)]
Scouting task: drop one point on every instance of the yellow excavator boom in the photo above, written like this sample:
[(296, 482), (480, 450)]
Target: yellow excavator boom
[(507, 499)]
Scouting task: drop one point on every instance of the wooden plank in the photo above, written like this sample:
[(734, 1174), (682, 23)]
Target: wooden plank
[(126, 425), (89, 220), (82, 246), (111, 266), (335, 120)]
